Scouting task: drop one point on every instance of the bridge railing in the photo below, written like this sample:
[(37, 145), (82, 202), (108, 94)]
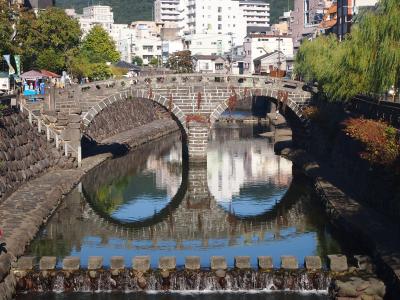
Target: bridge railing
[(235, 80), (375, 109), (52, 135), (250, 80)]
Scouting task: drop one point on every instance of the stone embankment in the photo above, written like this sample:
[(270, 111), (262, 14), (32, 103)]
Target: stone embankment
[(33, 276), (24, 154), (25, 210), (376, 234)]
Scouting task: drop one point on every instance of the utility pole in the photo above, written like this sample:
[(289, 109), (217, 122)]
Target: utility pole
[(231, 62), (279, 52)]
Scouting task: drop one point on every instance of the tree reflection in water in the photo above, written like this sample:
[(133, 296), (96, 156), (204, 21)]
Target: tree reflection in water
[(245, 202)]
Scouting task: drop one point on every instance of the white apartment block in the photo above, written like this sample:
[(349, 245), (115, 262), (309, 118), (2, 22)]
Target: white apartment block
[(256, 13), (259, 45), (212, 27), (209, 44), (146, 40), (170, 11), (96, 15)]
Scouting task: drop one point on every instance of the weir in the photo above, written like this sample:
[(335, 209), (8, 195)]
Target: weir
[(191, 277)]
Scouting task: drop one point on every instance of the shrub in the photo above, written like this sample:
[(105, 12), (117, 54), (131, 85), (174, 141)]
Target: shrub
[(379, 139), (311, 112), (2, 108)]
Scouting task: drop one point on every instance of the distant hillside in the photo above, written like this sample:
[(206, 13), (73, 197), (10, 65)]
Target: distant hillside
[(127, 11)]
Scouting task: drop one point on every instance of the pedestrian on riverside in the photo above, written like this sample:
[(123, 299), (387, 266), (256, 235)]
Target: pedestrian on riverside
[(2, 245)]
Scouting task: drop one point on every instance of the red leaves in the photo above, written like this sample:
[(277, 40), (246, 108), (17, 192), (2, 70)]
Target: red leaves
[(380, 140)]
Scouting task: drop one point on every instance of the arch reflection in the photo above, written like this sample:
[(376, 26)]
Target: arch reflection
[(256, 178), (191, 220)]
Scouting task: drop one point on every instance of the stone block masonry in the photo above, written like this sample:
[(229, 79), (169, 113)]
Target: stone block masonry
[(24, 154), (189, 97)]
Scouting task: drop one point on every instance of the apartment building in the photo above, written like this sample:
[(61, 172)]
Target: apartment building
[(34, 4), (346, 11), (211, 27), (259, 45), (170, 11), (255, 13), (306, 17), (95, 15)]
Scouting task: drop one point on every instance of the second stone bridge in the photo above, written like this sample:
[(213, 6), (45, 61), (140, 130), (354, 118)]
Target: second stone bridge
[(196, 101)]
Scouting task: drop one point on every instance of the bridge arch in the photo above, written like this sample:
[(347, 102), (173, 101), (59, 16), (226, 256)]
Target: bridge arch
[(196, 101), (241, 93), (90, 115)]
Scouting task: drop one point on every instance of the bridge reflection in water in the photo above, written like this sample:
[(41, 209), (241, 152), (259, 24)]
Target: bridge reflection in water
[(150, 202)]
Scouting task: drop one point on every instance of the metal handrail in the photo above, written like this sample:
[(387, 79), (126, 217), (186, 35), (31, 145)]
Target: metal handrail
[(50, 133)]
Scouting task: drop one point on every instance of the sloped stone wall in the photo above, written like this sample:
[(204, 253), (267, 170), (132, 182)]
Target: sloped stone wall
[(124, 115), (24, 153)]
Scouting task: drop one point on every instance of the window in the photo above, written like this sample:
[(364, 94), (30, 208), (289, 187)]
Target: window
[(219, 18), (219, 26), (219, 66), (219, 9)]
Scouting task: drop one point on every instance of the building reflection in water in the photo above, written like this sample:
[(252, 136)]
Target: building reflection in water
[(149, 203)]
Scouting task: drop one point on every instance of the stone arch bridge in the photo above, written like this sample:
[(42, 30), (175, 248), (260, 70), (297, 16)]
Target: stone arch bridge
[(195, 100)]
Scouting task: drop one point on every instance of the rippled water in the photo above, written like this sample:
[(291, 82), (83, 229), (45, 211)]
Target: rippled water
[(246, 201)]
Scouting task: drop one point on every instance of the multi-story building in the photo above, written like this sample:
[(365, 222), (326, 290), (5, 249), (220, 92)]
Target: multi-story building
[(284, 25), (255, 12), (170, 11), (307, 15), (214, 27), (261, 44), (329, 22), (34, 4), (346, 10), (96, 15), (146, 40)]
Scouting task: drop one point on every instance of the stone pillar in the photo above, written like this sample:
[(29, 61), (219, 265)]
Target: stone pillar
[(197, 141), (198, 196)]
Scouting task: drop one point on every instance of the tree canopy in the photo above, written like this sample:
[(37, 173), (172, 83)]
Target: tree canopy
[(8, 15), (47, 40), (181, 62), (367, 61), (99, 47)]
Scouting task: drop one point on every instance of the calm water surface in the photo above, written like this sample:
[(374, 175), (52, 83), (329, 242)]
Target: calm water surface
[(246, 201)]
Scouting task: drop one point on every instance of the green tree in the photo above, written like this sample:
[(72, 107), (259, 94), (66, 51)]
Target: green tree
[(49, 59), (367, 61), (154, 62), (53, 32), (8, 15), (98, 71), (99, 47), (181, 62), (137, 60)]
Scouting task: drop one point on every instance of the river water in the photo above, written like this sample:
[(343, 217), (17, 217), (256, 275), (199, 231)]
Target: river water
[(245, 201)]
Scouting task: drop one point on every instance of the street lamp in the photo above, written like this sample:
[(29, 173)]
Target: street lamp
[(392, 92)]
